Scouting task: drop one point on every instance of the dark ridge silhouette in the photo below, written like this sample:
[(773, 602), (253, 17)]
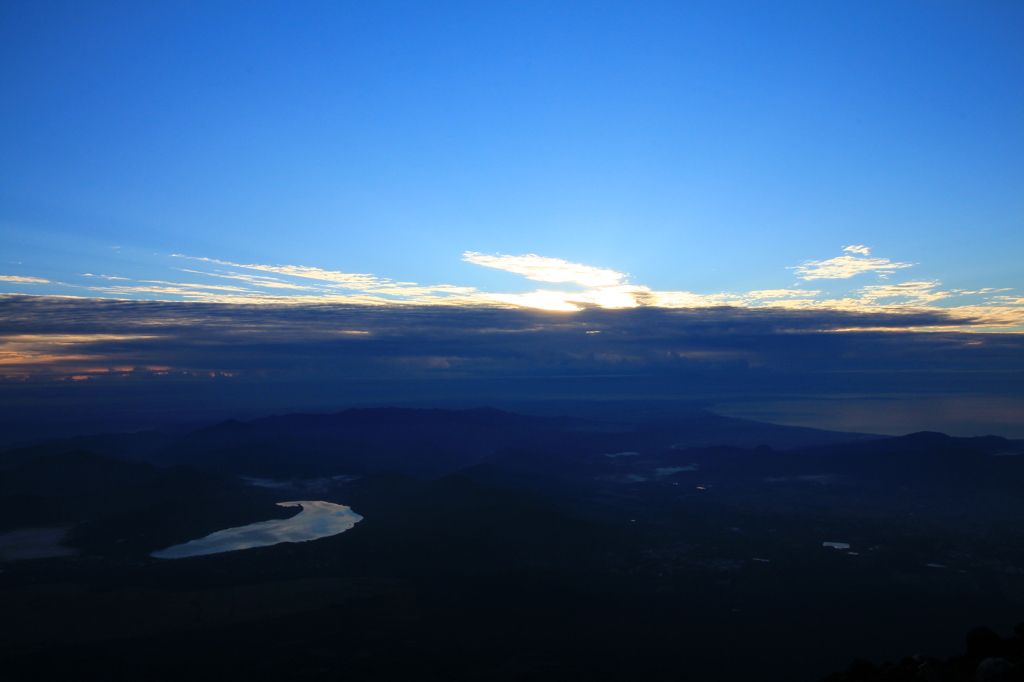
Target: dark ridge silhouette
[(313, 441), (480, 416), (932, 441)]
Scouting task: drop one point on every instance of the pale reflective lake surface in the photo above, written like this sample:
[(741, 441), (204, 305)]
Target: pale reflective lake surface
[(316, 520)]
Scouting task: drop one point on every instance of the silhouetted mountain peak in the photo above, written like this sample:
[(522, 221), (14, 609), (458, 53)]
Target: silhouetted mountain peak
[(365, 416), (228, 425), (723, 450), (922, 441), (229, 429), (927, 437)]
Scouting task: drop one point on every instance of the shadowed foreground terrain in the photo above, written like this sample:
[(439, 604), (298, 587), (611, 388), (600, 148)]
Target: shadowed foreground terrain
[(987, 656), (495, 546)]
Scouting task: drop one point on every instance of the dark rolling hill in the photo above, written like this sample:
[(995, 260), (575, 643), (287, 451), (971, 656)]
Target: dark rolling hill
[(496, 546), (424, 443)]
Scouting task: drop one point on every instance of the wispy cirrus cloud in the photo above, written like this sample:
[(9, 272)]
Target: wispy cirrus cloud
[(186, 290), (345, 280), (543, 269), (23, 280), (255, 280), (915, 293), (843, 267)]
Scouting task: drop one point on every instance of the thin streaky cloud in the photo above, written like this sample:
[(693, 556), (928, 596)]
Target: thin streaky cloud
[(189, 291), (17, 279), (858, 248), (987, 290), (771, 294), (189, 285), (408, 289), (345, 280), (843, 267), (919, 293), (543, 269), (256, 280)]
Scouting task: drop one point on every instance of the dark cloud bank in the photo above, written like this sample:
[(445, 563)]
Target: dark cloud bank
[(146, 362)]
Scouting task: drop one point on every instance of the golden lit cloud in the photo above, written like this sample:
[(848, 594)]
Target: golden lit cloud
[(541, 269), (61, 353), (843, 267)]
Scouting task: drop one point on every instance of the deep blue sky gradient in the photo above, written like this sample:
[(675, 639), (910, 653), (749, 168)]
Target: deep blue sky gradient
[(697, 146)]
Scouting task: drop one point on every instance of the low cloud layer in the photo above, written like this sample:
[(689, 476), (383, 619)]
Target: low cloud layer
[(63, 336), (103, 358), (218, 335)]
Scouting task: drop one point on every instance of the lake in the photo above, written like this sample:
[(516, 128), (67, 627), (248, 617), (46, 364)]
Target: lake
[(316, 520)]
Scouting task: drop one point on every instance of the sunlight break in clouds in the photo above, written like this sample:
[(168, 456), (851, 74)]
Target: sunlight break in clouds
[(621, 296), (542, 269)]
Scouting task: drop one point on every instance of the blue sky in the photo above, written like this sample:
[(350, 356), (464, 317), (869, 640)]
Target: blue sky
[(838, 186), (701, 147)]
